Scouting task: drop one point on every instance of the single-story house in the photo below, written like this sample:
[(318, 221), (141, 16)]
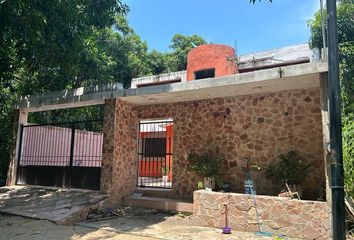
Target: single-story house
[(251, 108)]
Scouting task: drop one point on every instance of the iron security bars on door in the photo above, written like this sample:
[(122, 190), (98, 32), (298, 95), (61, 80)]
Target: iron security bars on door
[(155, 154), (61, 154)]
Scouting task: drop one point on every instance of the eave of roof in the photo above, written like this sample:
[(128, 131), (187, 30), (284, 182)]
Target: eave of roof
[(301, 76)]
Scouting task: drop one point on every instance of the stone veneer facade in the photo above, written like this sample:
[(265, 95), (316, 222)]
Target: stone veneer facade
[(277, 215), (253, 128), (108, 145), (119, 161), (10, 179)]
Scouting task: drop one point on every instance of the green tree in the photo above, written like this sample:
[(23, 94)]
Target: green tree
[(158, 62), (181, 45), (128, 52), (45, 39), (345, 16), (63, 44), (348, 153), (47, 46)]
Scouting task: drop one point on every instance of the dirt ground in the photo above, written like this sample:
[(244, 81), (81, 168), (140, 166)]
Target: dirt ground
[(139, 224), (13, 227)]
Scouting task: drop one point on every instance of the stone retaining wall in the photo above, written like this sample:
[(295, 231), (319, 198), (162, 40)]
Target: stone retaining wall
[(294, 218)]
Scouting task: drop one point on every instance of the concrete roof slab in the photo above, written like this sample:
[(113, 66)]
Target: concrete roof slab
[(302, 76), (78, 97)]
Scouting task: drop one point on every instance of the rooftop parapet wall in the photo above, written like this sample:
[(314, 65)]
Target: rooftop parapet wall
[(182, 75), (276, 56), (293, 218), (289, 55)]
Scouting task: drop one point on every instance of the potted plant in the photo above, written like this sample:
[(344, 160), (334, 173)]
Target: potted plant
[(290, 169), (164, 173), (207, 165)]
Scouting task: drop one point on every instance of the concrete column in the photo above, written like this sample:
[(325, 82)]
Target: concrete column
[(20, 117), (326, 140)]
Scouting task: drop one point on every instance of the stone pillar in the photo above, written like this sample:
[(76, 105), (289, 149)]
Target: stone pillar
[(109, 122), (20, 117), (125, 156), (120, 150), (326, 141)]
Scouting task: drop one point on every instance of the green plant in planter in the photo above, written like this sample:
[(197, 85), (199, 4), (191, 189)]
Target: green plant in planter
[(290, 168), (200, 185), (164, 170), (206, 165)]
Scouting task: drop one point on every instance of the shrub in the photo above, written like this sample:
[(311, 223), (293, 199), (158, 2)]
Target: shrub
[(206, 165), (348, 154), (290, 167)]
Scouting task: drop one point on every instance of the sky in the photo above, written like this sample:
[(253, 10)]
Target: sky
[(254, 27)]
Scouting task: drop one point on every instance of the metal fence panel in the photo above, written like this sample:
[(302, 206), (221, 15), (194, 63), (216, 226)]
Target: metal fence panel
[(62, 154)]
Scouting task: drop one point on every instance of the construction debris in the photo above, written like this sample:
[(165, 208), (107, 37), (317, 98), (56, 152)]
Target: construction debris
[(99, 214)]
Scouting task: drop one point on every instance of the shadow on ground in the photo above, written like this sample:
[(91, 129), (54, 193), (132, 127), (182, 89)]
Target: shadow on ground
[(54, 204), (137, 224), (159, 224)]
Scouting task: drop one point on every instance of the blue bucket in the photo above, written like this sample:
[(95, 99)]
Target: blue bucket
[(249, 189)]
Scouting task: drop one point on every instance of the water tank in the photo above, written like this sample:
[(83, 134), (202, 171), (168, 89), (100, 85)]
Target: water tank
[(211, 60)]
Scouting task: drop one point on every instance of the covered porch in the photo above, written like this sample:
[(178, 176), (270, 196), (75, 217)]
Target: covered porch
[(251, 118)]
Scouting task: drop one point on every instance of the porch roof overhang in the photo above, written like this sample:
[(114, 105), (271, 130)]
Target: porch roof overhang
[(302, 76), (78, 97)]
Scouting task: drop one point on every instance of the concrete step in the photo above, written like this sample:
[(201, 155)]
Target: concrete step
[(158, 203), (154, 192)]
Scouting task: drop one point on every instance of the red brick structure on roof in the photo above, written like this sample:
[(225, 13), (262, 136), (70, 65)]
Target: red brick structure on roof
[(211, 56)]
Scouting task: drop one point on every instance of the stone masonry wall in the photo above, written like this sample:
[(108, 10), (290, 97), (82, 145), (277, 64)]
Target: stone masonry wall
[(251, 128), (294, 218), (11, 179), (118, 175), (108, 145), (124, 169)]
